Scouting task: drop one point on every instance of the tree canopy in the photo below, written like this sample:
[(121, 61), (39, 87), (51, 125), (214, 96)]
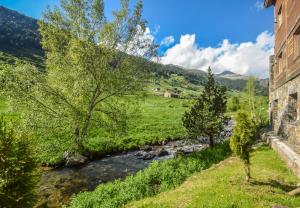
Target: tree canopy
[(206, 117), (90, 63)]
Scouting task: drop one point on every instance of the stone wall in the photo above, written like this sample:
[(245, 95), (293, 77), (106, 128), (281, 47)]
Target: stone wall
[(285, 109)]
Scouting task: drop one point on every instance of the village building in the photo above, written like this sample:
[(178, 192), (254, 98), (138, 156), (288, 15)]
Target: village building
[(170, 94), (284, 83)]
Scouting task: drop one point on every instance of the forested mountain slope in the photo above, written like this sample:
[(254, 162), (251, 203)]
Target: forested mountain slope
[(19, 38)]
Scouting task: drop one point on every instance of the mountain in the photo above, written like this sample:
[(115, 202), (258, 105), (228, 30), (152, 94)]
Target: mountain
[(225, 73), (18, 34), (19, 38), (232, 75)]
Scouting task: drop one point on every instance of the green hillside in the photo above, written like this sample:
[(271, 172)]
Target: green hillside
[(18, 34), (20, 39), (155, 117)]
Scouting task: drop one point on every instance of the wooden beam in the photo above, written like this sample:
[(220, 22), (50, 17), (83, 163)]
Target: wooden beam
[(269, 3)]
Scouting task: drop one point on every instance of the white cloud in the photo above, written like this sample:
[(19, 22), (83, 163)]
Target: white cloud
[(167, 41), (139, 45), (259, 5), (249, 58)]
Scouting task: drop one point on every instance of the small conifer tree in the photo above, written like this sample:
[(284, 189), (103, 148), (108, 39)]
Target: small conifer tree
[(244, 135), (206, 117), (18, 170)]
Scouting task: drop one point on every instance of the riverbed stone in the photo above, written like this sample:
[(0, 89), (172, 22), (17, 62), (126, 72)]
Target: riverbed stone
[(140, 154), (188, 150), (147, 148), (162, 152), (149, 156), (74, 159)]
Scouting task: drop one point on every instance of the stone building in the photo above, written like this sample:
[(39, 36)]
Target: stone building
[(284, 84), (170, 94)]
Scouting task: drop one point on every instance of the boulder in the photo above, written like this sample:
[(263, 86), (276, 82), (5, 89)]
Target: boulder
[(140, 154), (74, 159), (188, 150), (147, 148), (162, 153), (149, 156)]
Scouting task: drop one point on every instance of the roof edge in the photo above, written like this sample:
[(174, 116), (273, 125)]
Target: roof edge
[(268, 3)]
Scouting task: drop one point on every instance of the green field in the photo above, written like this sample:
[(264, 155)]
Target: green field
[(224, 186), (159, 119)]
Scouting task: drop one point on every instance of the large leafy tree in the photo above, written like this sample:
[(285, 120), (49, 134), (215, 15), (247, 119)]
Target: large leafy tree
[(18, 170), (206, 117), (90, 63), (244, 135)]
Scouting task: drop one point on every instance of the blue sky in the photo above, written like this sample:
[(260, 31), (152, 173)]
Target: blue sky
[(209, 22)]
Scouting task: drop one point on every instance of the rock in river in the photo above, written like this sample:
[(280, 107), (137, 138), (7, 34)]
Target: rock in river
[(147, 148), (162, 153), (149, 156), (74, 160)]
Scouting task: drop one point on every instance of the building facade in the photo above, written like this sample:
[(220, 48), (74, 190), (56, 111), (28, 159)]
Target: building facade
[(284, 84)]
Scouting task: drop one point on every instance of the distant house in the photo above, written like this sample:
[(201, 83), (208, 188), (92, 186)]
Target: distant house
[(170, 94)]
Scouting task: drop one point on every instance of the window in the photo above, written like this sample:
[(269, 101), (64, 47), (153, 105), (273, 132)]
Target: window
[(280, 63), (275, 110), (292, 107), (279, 17)]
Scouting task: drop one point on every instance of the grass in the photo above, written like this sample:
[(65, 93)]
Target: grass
[(157, 178), (159, 119), (224, 186), (2, 106)]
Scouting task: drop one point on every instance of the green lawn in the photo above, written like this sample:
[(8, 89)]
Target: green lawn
[(224, 186)]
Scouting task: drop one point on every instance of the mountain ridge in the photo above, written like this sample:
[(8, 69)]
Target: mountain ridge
[(20, 38)]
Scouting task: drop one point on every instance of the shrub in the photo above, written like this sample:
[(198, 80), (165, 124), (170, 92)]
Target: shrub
[(244, 135), (18, 170), (158, 177)]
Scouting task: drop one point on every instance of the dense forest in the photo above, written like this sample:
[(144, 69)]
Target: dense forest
[(18, 33)]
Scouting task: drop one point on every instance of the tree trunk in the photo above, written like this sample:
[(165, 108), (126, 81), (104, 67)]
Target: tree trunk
[(78, 139), (247, 171), (211, 141)]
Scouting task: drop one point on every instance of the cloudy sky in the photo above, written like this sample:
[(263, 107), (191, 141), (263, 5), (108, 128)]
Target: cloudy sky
[(230, 35)]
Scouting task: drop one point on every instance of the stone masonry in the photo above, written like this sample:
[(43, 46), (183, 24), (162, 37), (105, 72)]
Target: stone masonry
[(284, 84)]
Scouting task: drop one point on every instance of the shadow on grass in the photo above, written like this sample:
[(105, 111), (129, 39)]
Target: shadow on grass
[(275, 184)]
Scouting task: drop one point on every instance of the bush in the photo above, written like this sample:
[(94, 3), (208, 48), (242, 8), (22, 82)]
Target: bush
[(233, 104), (244, 135), (158, 177), (18, 170)]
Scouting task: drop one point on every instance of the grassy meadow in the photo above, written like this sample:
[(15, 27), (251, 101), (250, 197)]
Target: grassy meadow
[(224, 186), (158, 119)]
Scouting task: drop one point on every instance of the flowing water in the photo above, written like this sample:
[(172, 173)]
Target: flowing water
[(57, 186)]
